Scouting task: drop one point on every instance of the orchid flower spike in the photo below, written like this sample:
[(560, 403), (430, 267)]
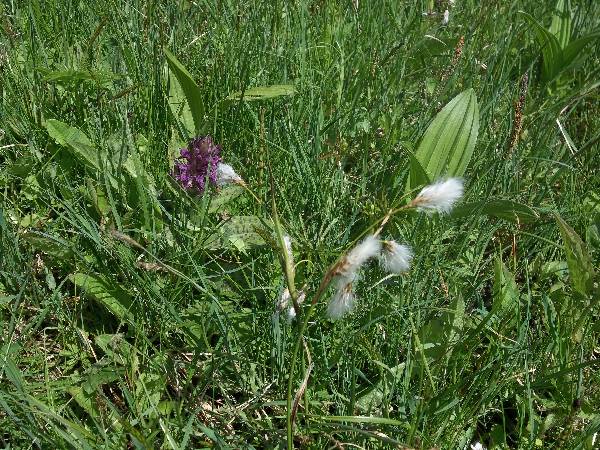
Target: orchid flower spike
[(395, 258), (439, 197)]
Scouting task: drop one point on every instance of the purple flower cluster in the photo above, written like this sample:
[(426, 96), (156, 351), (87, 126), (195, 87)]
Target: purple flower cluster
[(198, 162)]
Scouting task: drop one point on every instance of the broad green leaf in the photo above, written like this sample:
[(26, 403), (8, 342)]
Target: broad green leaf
[(574, 49), (581, 268), (88, 401), (503, 209), (505, 290), (74, 76), (240, 232), (448, 143), (76, 141), (551, 51), (190, 89), (116, 347), (370, 399), (562, 22), (55, 247), (224, 197), (180, 107), (263, 92), (109, 294), (8, 366)]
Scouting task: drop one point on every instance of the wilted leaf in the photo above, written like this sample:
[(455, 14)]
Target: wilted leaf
[(448, 143)]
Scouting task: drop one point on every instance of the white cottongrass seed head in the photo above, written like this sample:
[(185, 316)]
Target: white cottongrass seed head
[(440, 196), (355, 258), (446, 18), (477, 446), (395, 258), (291, 312), (287, 241), (226, 175), (341, 303)]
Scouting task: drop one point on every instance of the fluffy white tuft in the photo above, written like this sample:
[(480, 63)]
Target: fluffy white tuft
[(440, 197), (341, 303), (287, 241), (226, 175), (446, 18), (395, 258), (477, 446), (291, 313), (365, 250)]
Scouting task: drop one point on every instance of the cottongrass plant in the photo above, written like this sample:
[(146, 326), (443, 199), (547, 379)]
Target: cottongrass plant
[(439, 197)]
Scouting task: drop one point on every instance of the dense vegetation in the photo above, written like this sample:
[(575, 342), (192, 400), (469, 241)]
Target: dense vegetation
[(137, 314)]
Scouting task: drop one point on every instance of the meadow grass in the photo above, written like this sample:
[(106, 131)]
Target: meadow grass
[(135, 314)]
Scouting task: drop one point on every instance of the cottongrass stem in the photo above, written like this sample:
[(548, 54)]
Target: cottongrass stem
[(439, 197)]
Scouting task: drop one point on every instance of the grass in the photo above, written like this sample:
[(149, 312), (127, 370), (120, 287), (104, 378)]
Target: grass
[(135, 315)]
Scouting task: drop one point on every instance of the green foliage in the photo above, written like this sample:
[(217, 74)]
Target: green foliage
[(134, 314), (559, 51)]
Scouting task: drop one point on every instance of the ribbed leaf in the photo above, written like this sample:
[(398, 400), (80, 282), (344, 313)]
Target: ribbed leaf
[(550, 46), (190, 89), (448, 142), (562, 22), (573, 50)]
